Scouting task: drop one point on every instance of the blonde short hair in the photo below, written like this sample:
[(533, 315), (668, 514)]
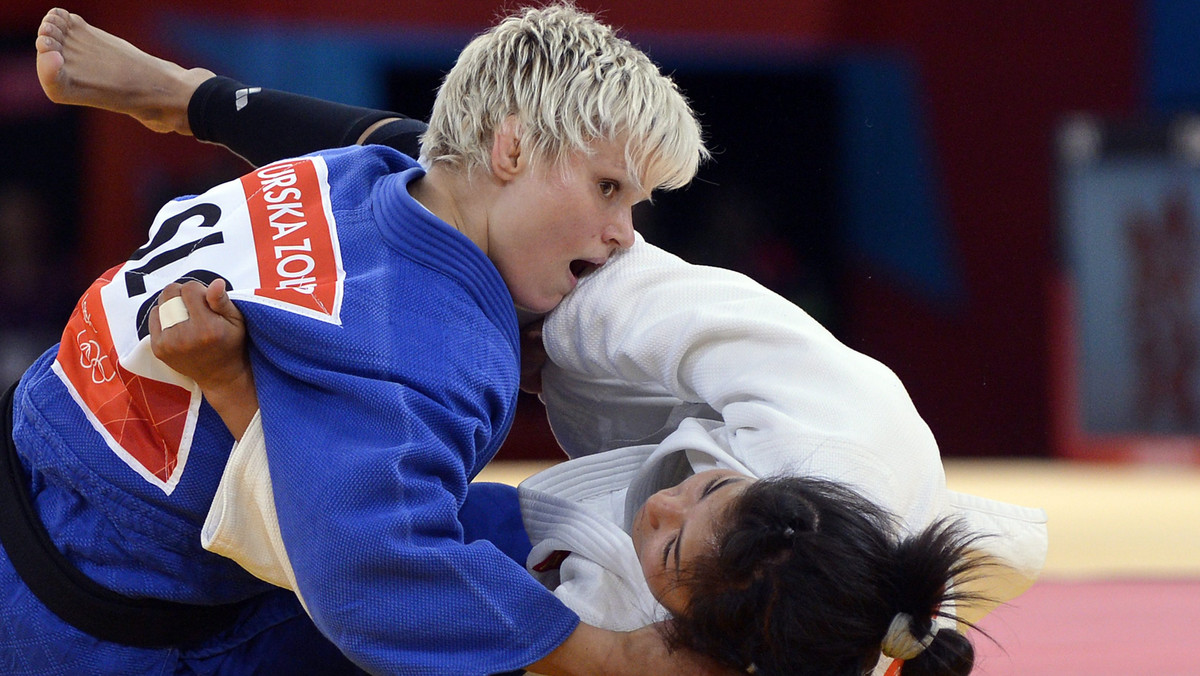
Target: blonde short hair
[(569, 81)]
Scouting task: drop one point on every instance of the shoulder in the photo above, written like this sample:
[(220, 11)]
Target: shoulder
[(375, 155), (353, 169)]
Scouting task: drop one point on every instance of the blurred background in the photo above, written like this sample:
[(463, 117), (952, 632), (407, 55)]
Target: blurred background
[(998, 200), (891, 167)]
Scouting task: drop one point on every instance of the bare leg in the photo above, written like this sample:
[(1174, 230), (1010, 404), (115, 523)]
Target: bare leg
[(81, 65)]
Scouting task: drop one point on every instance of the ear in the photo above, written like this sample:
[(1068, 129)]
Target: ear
[(508, 160)]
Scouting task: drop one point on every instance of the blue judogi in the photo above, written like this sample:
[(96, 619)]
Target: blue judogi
[(385, 353)]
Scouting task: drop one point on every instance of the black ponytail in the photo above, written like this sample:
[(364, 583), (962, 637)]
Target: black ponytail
[(950, 654), (925, 567)]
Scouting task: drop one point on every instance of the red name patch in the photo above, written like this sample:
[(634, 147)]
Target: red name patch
[(297, 261)]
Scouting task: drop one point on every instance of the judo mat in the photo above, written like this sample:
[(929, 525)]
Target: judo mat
[(1120, 595)]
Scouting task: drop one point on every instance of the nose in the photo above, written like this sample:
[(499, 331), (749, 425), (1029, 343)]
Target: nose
[(664, 510), (620, 233)]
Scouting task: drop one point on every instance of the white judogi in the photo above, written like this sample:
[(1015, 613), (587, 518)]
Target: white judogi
[(649, 340)]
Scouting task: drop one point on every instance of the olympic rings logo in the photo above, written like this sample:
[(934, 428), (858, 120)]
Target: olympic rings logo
[(91, 355)]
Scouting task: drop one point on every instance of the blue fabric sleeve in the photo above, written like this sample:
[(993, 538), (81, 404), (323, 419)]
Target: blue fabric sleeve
[(368, 506), (492, 512)]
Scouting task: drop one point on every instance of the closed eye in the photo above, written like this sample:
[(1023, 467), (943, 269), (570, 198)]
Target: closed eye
[(717, 484), (667, 550)]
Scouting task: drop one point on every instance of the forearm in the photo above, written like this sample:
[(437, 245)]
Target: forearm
[(587, 651), (591, 651), (235, 401), (264, 125)]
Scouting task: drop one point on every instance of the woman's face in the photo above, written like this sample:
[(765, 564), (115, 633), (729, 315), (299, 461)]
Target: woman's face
[(678, 524), (553, 224)]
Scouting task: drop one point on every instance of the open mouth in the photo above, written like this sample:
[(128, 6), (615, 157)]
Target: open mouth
[(579, 268)]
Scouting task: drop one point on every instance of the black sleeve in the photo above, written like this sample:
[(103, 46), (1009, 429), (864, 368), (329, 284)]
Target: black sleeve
[(264, 125)]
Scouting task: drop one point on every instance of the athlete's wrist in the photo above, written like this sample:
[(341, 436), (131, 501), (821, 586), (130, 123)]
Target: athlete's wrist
[(233, 398)]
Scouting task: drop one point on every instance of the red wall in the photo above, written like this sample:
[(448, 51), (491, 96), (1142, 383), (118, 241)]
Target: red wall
[(997, 76)]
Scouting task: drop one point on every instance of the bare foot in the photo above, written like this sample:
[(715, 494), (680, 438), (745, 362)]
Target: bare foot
[(81, 65)]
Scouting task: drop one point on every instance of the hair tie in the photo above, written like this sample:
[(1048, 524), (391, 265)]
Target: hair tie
[(899, 643), (789, 532)]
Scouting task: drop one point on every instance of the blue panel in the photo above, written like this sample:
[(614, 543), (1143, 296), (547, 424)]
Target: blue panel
[(890, 194), (338, 63), (1174, 55)]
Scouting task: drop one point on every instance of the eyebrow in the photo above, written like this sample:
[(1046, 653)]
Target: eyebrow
[(712, 487)]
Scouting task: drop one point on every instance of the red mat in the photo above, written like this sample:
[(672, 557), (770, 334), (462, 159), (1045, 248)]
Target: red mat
[(1106, 628)]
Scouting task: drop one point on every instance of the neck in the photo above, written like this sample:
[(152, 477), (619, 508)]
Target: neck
[(456, 199)]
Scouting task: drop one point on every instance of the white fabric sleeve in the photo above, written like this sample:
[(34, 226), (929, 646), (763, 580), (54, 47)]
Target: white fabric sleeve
[(242, 524), (1016, 543), (793, 398)]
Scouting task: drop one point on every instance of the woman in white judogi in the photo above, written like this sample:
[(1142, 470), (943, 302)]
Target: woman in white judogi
[(658, 369)]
